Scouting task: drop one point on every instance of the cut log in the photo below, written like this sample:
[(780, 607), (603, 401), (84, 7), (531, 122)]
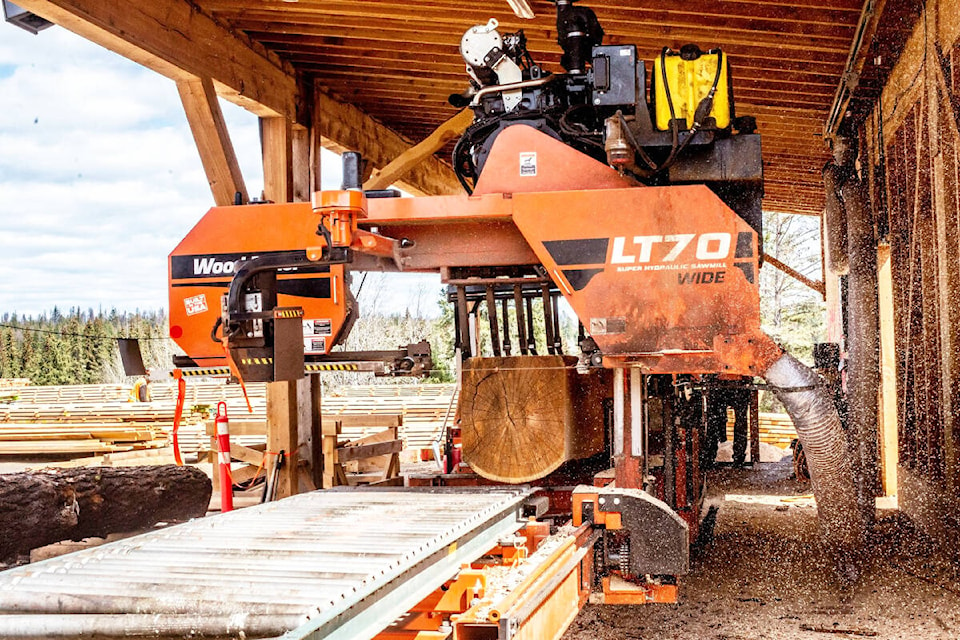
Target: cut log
[(43, 507), (524, 416)]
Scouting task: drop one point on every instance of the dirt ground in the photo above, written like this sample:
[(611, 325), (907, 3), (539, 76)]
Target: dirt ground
[(763, 576)]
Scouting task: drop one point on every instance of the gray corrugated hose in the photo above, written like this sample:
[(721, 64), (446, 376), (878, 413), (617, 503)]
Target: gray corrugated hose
[(863, 342), (835, 220), (825, 444)]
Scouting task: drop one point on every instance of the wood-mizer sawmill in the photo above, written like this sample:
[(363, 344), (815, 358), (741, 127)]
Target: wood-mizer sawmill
[(571, 475)]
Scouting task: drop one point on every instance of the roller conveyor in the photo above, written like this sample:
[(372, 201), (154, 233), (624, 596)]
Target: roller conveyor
[(328, 564)]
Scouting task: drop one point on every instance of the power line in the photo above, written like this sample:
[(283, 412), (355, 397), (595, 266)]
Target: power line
[(80, 335)]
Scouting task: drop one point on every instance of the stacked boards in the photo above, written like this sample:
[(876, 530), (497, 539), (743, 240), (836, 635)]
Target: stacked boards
[(77, 429), (775, 428)]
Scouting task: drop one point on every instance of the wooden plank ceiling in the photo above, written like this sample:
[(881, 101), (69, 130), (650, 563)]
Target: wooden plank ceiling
[(398, 60)]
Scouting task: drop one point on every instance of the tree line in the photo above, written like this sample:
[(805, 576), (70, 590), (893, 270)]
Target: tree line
[(79, 347)]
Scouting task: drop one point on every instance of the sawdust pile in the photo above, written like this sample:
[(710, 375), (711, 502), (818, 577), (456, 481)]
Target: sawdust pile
[(763, 576)]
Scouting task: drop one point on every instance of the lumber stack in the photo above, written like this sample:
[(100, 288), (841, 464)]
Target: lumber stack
[(68, 430), (66, 420), (82, 438), (775, 428), (72, 393), (424, 409), (10, 388)]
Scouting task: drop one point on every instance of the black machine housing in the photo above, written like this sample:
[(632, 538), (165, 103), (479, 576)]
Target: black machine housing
[(600, 102)]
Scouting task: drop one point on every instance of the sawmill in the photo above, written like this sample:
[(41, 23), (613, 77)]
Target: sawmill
[(551, 167)]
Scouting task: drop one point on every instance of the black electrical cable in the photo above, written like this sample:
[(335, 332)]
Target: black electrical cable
[(80, 335), (674, 125), (362, 281), (647, 160), (700, 113)]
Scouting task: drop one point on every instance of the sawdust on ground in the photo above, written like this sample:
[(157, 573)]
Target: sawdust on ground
[(763, 576)]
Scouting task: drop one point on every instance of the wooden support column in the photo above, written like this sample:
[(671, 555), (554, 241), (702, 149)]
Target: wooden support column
[(293, 408), (889, 448), (302, 185), (212, 138), (831, 293), (316, 141), (283, 435), (317, 462), (309, 432), (276, 141)]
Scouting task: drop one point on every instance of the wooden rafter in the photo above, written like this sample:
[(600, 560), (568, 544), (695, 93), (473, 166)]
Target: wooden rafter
[(344, 127), (213, 141), (816, 285)]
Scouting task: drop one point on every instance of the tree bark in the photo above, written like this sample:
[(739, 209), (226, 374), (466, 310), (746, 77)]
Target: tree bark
[(43, 507)]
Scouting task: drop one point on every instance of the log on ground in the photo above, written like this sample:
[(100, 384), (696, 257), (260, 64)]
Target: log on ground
[(524, 416), (42, 507)]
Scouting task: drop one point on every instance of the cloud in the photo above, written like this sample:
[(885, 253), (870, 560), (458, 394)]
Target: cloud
[(100, 178)]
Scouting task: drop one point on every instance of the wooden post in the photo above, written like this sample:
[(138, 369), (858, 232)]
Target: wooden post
[(754, 427), (277, 148), (301, 164), (310, 432), (212, 139), (283, 434), (889, 446), (283, 405), (329, 430), (315, 142)]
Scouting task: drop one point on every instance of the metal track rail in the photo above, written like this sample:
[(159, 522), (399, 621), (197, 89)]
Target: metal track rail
[(328, 564)]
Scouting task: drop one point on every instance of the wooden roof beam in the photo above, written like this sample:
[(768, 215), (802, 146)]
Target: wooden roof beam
[(175, 39), (344, 127)]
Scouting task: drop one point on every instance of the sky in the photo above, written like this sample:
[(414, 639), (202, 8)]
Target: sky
[(100, 179)]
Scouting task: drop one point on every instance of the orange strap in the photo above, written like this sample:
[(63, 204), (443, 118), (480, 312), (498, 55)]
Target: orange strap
[(236, 373), (178, 414)]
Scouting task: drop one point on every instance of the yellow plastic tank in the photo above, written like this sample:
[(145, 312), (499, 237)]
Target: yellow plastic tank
[(689, 79)]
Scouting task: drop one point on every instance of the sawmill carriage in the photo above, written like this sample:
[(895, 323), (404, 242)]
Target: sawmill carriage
[(644, 214)]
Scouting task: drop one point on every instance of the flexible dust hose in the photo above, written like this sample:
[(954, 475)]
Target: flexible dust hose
[(835, 220), (863, 344), (825, 445)]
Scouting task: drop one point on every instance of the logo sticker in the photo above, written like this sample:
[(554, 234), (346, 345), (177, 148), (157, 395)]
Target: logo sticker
[(528, 163), (195, 304)]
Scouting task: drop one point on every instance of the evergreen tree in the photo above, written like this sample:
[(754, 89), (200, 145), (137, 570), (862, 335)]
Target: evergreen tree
[(78, 347)]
